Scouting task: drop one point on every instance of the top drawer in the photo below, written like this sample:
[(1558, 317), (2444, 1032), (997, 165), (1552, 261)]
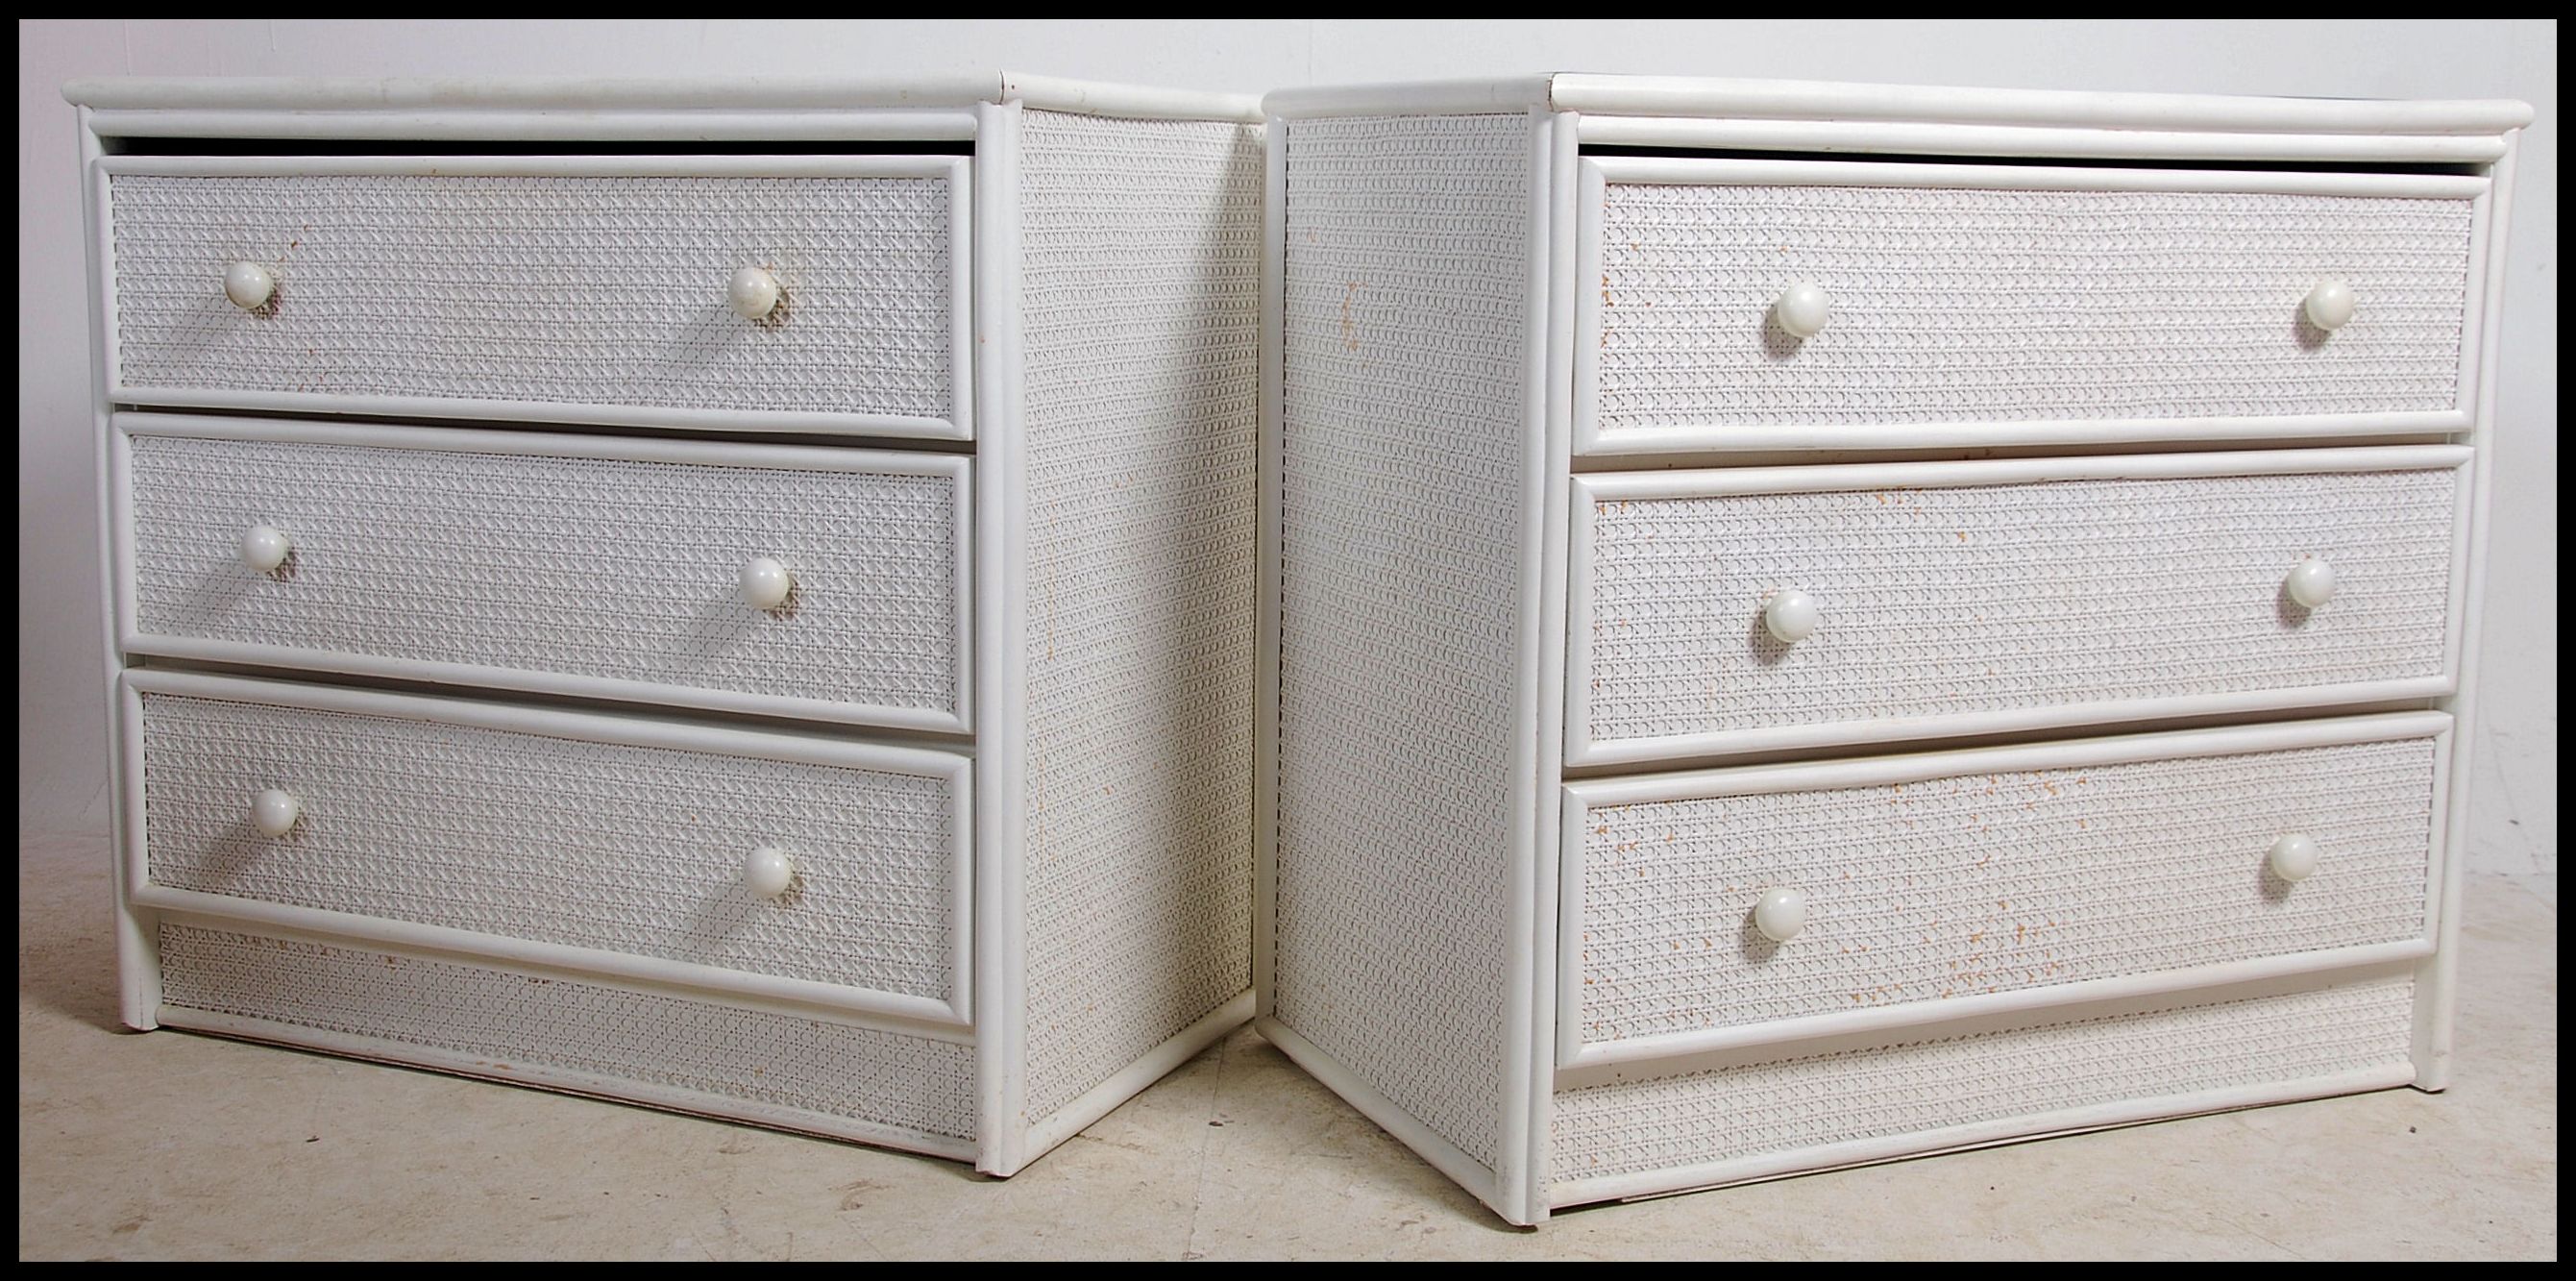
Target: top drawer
[(552, 288), (1982, 305)]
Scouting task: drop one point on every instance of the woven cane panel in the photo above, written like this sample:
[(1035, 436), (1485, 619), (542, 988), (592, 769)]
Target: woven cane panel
[(1929, 1085), (832, 1070), (1406, 349), (1944, 602), (586, 291), (585, 566), (1984, 883), (1954, 306), (1140, 246), (605, 845)]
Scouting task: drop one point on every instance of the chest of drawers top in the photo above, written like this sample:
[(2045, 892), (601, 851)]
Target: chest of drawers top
[(1793, 116)]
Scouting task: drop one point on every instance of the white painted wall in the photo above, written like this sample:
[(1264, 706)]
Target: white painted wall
[(61, 699)]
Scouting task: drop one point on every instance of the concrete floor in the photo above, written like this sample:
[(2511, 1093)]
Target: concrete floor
[(169, 1145)]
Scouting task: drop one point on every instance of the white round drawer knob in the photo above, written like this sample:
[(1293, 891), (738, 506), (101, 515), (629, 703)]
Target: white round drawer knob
[(274, 812), (2294, 857), (264, 548), (766, 584), (1780, 913), (249, 285), (754, 293), (2311, 583), (767, 872), (1792, 616), (1802, 310), (2330, 305)]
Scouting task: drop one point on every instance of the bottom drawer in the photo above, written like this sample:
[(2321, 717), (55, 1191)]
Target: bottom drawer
[(645, 1047), (614, 844), (1942, 884), (1635, 1138)]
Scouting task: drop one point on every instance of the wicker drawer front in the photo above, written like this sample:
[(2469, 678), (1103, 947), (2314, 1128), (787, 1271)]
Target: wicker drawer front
[(578, 565), (1973, 597), (1823, 1111), (556, 288), (607, 834), (1938, 877), (593, 1038), (1965, 297)]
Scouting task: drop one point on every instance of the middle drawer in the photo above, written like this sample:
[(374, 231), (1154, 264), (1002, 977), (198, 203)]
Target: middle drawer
[(1984, 597), (589, 566)]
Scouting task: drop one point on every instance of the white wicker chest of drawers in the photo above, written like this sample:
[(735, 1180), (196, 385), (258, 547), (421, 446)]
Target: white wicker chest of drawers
[(1807, 624), (737, 597)]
